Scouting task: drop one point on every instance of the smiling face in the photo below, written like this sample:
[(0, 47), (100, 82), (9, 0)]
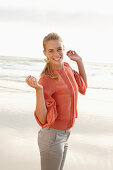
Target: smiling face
[(54, 52)]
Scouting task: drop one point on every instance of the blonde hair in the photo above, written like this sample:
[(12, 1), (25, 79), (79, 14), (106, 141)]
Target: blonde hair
[(48, 69)]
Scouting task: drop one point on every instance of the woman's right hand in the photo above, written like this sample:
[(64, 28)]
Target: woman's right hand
[(32, 82)]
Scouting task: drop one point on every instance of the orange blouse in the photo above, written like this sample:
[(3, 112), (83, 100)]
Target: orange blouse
[(61, 97)]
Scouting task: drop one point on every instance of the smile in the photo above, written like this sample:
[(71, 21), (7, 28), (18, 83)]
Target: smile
[(57, 59)]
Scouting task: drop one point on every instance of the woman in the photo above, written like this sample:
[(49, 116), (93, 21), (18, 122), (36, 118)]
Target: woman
[(56, 101)]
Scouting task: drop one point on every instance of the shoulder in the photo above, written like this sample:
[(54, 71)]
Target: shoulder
[(44, 77), (67, 65), (69, 68), (46, 81)]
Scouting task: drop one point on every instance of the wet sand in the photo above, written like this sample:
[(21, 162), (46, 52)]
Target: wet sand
[(90, 143)]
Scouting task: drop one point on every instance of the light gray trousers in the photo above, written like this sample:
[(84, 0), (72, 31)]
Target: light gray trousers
[(53, 145)]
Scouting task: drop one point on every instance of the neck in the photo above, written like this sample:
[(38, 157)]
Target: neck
[(58, 67)]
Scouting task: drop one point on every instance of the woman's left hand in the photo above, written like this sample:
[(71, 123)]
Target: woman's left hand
[(74, 56)]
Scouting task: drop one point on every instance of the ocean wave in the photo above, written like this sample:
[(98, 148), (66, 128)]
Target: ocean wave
[(29, 59), (24, 90)]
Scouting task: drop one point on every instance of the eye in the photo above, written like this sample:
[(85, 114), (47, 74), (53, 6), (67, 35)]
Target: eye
[(50, 51), (60, 49)]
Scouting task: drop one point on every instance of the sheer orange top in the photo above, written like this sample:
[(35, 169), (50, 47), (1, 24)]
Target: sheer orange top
[(61, 97)]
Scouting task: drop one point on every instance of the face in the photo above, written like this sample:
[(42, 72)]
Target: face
[(54, 52)]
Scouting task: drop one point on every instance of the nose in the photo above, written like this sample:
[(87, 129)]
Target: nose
[(56, 54)]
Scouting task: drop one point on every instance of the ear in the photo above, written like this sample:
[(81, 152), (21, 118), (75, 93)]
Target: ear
[(44, 52)]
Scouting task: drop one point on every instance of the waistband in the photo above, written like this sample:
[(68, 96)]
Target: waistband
[(49, 128)]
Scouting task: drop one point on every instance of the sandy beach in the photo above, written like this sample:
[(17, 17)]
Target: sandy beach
[(91, 140), (90, 144)]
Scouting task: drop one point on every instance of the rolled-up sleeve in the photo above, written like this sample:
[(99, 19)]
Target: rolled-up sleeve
[(82, 85), (50, 103)]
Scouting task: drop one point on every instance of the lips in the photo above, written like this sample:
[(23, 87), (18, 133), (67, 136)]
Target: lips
[(57, 59)]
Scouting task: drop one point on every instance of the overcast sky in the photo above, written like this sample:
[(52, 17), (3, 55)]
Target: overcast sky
[(89, 22), (68, 6)]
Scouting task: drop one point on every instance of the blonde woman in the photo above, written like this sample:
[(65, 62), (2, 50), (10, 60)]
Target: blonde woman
[(56, 101)]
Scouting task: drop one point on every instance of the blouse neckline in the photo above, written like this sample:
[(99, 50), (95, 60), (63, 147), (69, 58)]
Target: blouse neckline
[(61, 69)]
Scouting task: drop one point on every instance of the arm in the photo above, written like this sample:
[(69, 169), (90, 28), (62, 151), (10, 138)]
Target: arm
[(82, 70), (75, 57), (80, 77), (45, 112), (41, 110)]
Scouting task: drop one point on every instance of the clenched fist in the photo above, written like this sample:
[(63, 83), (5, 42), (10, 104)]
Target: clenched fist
[(32, 82)]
